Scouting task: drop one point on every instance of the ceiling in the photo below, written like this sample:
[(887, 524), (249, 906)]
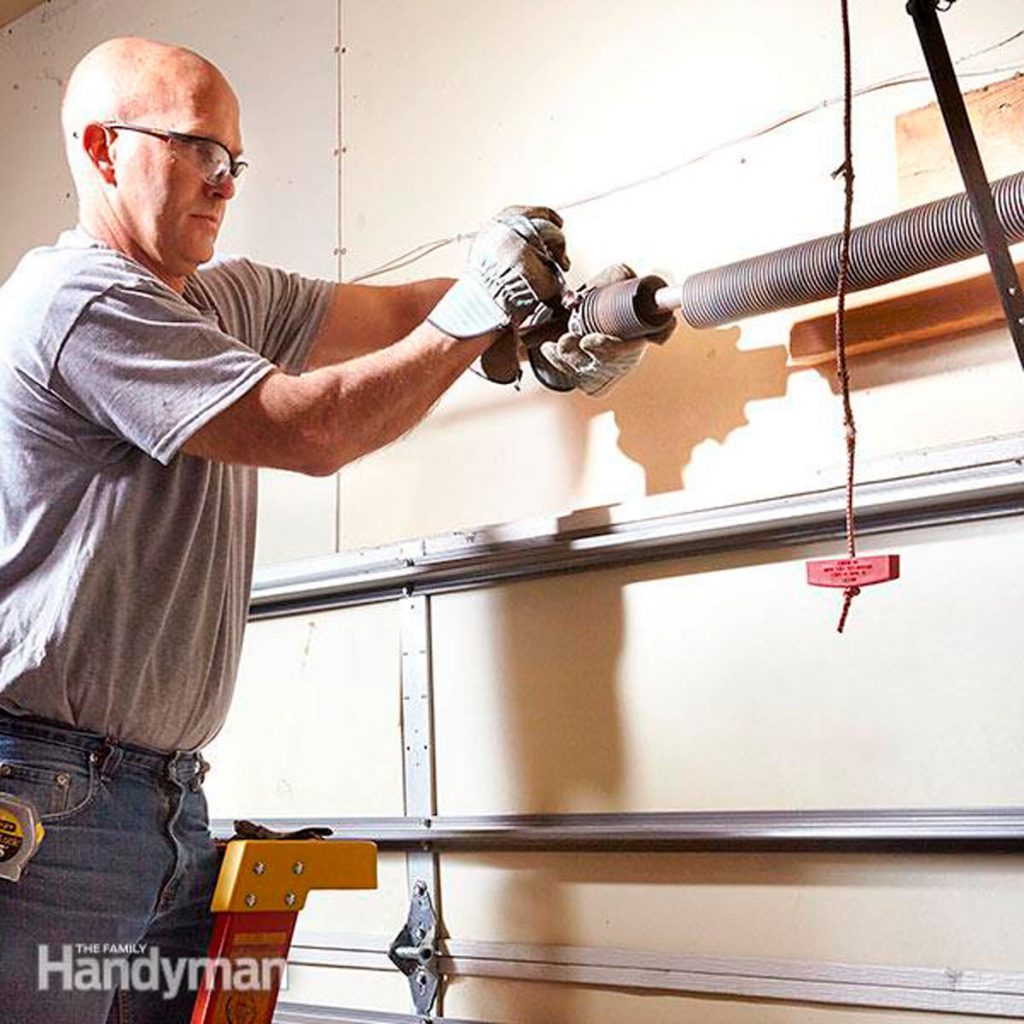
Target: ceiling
[(11, 9)]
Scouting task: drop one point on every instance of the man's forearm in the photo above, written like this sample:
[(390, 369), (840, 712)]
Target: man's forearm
[(422, 296), (346, 405), (366, 318), (368, 402), (318, 421)]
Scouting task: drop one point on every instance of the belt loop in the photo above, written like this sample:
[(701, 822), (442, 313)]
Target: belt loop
[(202, 767), (171, 767), (108, 757)]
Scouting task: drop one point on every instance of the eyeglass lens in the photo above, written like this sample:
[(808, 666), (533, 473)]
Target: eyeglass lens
[(212, 160)]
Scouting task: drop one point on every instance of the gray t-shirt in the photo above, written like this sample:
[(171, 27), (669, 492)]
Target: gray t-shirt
[(125, 567)]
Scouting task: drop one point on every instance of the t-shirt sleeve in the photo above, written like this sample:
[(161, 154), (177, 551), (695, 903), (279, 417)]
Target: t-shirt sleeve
[(144, 365), (275, 311)]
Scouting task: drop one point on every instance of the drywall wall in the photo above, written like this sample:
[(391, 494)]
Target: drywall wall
[(11, 10), (720, 683), (450, 113)]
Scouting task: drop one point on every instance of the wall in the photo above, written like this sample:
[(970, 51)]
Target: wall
[(11, 10), (704, 684), (489, 108)]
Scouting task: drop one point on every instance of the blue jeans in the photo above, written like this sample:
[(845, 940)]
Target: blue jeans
[(125, 873)]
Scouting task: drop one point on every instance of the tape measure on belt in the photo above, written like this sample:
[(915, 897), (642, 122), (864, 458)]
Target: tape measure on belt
[(20, 835)]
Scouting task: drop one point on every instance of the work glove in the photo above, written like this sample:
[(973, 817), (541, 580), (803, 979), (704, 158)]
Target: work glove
[(515, 263), (594, 363)]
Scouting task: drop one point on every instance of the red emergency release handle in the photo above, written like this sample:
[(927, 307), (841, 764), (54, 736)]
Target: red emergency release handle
[(853, 572)]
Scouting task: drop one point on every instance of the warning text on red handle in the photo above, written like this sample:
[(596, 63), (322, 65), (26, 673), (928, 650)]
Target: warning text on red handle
[(853, 572)]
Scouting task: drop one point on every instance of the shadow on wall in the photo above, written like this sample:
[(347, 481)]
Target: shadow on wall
[(561, 642), (693, 388), (558, 658), (559, 661)]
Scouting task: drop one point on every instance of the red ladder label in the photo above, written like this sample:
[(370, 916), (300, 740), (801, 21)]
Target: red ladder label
[(259, 938)]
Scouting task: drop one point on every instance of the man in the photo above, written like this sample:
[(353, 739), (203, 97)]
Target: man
[(137, 394)]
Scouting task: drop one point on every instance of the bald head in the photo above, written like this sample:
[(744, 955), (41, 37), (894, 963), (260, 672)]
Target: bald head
[(146, 126), (138, 80)]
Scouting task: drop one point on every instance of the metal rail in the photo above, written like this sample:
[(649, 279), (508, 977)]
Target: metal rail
[(306, 1013), (420, 790), (981, 829), (936, 989), (983, 480)]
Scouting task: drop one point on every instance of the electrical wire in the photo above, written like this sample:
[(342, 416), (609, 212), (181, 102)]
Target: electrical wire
[(989, 49), (419, 252)]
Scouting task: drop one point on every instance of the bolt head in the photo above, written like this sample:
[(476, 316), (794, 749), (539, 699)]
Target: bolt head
[(298, 867), (289, 899), (250, 900), (259, 867)]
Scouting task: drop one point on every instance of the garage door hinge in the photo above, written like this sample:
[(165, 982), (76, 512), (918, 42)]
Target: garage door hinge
[(413, 952)]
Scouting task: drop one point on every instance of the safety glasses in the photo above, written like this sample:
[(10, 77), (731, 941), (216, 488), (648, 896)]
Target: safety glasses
[(209, 157)]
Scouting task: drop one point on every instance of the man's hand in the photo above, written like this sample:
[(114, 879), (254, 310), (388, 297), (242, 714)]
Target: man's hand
[(515, 263), (595, 363)]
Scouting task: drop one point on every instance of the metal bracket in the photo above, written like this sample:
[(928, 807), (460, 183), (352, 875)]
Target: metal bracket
[(413, 952), (954, 113)]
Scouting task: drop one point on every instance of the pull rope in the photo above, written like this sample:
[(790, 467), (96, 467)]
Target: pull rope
[(842, 369)]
